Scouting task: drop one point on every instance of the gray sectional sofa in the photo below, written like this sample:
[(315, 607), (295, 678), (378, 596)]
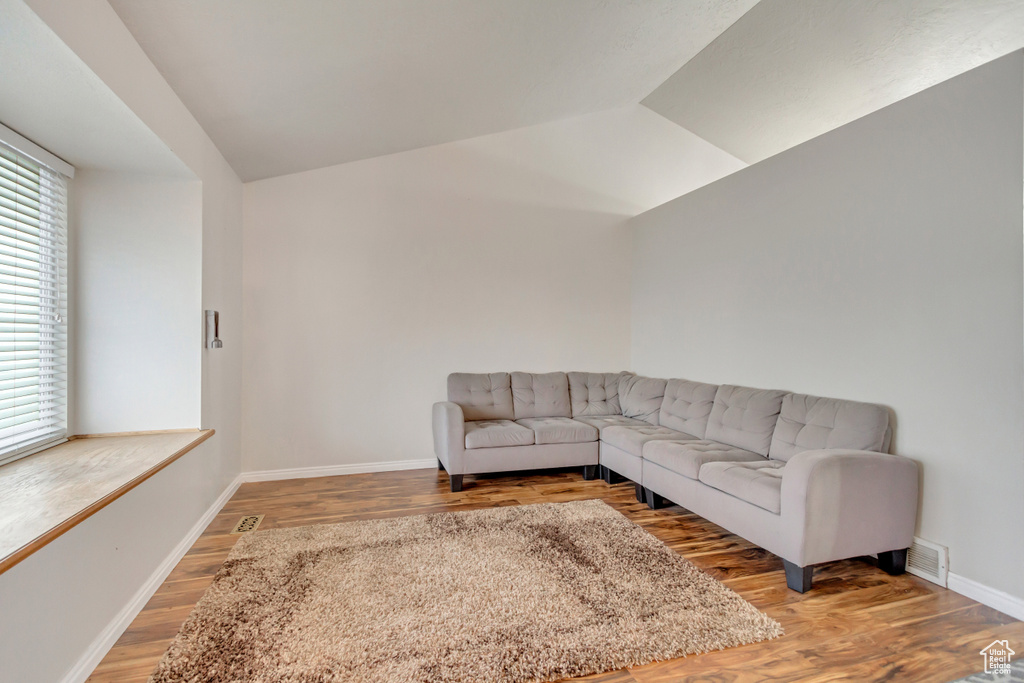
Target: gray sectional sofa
[(805, 477)]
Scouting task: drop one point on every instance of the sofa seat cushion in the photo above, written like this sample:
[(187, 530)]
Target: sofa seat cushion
[(559, 430), (758, 483), (632, 438), (687, 457), (497, 433), (603, 422)]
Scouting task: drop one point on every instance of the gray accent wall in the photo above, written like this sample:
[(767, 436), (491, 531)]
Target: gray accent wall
[(879, 262)]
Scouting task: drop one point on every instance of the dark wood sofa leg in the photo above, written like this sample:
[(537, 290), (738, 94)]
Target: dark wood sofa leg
[(610, 476), (440, 465), (456, 482), (798, 578), (654, 501), (589, 472), (641, 493), (893, 561)]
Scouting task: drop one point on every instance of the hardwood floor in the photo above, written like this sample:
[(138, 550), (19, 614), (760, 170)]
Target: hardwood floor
[(856, 624)]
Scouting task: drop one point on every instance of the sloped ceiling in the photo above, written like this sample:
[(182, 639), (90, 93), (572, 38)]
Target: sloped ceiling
[(790, 70), (50, 96), (288, 86), (283, 87)]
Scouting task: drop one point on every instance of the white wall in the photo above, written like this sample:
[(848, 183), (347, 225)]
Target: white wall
[(136, 296), (222, 291), (882, 262), (367, 283), (58, 604)]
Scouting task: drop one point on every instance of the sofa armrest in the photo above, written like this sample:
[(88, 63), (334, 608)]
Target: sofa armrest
[(449, 435), (839, 503)]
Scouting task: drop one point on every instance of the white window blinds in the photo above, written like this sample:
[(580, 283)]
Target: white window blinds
[(33, 305)]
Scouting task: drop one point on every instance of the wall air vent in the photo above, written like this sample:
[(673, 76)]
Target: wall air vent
[(247, 524), (928, 560)]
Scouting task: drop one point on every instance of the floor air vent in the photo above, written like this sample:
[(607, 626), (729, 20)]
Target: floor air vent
[(247, 524), (928, 560)]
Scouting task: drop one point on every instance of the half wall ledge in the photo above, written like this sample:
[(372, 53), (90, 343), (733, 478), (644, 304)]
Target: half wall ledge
[(47, 493)]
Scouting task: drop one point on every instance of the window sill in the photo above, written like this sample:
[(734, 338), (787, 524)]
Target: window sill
[(46, 494)]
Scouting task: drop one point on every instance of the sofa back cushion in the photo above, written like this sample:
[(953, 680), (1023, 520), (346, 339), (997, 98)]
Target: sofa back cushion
[(482, 396), (811, 422), (641, 397), (686, 406), (595, 393), (744, 417), (540, 395)]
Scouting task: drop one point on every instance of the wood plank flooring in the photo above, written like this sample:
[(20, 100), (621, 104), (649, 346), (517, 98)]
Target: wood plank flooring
[(856, 624)]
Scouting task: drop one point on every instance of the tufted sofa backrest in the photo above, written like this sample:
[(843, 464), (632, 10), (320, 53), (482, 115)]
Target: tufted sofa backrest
[(482, 396), (595, 393), (540, 395), (687, 406), (641, 397), (811, 422), (745, 417)]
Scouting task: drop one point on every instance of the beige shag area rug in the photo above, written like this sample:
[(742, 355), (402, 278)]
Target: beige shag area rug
[(509, 594)]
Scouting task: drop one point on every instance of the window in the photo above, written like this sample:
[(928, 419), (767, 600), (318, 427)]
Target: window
[(33, 300)]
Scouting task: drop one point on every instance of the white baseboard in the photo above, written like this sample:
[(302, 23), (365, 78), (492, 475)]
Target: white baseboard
[(996, 599), (335, 470), (101, 646)]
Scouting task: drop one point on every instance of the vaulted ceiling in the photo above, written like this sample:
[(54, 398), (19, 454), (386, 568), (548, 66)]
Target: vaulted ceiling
[(790, 70), (283, 87), (288, 86)]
